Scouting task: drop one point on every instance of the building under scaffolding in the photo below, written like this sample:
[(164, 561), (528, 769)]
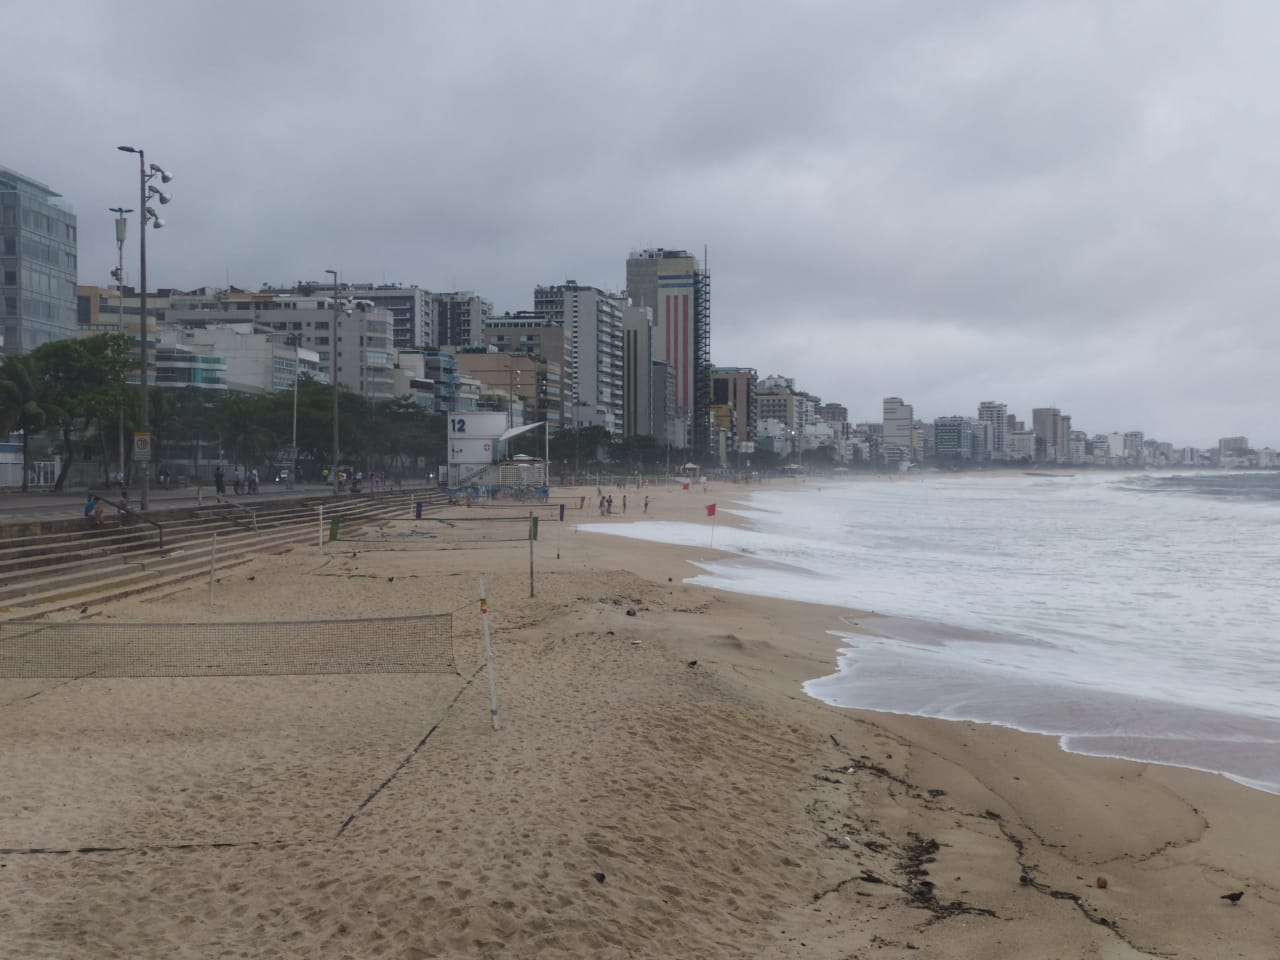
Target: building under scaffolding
[(702, 359)]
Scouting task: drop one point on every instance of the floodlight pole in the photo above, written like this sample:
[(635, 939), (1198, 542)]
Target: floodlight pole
[(122, 227), (333, 376), (146, 215), (144, 413), (296, 340)]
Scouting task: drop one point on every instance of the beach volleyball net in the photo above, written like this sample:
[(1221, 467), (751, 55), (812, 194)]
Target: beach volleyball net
[(39, 649), (476, 528)]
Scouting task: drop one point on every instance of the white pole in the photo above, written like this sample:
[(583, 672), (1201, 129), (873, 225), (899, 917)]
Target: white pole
[(213, 553), (531, 553), (488, 655), (322, 526)]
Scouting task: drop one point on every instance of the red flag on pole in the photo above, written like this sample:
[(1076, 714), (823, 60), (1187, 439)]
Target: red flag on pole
[(711, 509)]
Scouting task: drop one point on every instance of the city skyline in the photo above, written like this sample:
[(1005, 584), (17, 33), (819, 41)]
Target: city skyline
[(1049, 205)]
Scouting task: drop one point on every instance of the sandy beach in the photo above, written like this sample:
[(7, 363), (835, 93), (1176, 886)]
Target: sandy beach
[(660, 787)]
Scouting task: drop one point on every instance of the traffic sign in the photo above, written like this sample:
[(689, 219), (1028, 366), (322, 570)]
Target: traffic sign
[(142, 447)]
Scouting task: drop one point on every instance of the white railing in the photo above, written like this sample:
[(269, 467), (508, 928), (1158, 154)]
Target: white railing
[(43, 473)]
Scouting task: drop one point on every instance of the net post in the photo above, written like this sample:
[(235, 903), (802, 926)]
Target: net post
[(533, 535), (213, 554), (488, 655), (321, 538)]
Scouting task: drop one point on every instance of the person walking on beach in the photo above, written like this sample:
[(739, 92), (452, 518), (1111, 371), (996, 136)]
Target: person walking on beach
[(624, 503), (237, 482), (602, 506), (609, 503), (646, 504), (220, 481)]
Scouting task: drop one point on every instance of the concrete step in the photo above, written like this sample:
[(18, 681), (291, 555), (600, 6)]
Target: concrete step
[(48, 596), (82, 579), (65, 586)]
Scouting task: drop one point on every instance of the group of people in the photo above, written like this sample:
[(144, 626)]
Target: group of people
[(606, 503), (95, 507), (241, 483)]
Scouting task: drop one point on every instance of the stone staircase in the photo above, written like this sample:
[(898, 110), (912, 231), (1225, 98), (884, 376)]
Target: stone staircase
[(44, 573)]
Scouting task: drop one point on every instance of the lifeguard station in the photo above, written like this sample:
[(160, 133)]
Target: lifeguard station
[(478, 455)]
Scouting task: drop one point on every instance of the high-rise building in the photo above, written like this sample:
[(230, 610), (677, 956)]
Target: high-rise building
[(532, 334), (592, 321), (735, 388), (37, 264), (678, 288), (833, 412), (412, 316), (459, 319), (637, 373), (1134, 447), (1232, 446), (953, 439), (526, 383), (1047, 424), (898, 440), (776, 399), (996, 414)]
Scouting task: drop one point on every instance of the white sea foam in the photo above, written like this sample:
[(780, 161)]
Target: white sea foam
[(1129, 616)]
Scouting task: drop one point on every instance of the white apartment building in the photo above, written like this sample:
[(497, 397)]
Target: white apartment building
[(997, 415), (412, 309), (897, 440), (592, 322), (360, 347)]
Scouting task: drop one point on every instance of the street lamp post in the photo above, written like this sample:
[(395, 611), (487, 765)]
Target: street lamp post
[(333, 377), (148, 215), (296, 340)]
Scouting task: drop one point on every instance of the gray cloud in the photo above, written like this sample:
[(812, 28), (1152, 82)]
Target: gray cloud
[(1029, 201)]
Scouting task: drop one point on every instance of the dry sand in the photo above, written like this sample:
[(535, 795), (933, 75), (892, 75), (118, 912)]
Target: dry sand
[(632, 805)]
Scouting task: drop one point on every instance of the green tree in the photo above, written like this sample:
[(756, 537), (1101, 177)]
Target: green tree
[(25, 404), (85, 380), (242, 431)]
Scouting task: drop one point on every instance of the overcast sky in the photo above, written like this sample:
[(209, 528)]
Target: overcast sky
[(1056, 203)]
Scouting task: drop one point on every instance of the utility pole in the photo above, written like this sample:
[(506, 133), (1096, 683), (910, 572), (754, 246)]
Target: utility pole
[(333, 376)]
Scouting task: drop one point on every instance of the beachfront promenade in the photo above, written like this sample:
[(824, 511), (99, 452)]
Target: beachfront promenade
[(19, 507)]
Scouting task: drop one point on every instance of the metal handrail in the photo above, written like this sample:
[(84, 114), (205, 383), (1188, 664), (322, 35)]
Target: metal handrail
[(253, 514), (130, 512)]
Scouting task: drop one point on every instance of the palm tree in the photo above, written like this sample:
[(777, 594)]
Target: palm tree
[(23, 405)]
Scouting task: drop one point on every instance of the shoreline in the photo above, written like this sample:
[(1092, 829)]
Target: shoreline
[(661, 786), (899, 672)]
